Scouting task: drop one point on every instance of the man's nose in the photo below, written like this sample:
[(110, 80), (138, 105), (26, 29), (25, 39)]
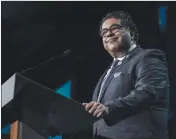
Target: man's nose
[(109, 33)]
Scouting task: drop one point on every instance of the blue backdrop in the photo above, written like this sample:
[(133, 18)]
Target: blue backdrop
[(64, 90)]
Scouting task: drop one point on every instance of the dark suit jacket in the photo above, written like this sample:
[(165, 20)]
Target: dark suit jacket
[(137, 97)]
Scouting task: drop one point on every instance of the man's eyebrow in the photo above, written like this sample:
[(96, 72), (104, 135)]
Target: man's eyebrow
[(115, 25), (110, 26)]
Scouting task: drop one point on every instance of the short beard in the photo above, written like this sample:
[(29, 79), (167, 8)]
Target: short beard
[(124, 47)]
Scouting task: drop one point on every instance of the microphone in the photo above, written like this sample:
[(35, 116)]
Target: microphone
[(64, 54)]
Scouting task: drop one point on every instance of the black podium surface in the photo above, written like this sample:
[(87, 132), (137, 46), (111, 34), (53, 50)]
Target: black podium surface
[(41, 108)]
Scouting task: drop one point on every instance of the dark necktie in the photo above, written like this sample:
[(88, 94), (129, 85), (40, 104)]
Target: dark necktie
[(109, 72)]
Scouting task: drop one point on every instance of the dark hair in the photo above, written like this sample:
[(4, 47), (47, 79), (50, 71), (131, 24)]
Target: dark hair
[(126, 21)]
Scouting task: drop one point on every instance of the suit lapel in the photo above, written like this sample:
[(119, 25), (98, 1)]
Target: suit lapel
[(119, 66), (97, 89)]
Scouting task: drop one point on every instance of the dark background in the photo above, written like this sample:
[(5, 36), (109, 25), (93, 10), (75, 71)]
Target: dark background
[(32, 32)]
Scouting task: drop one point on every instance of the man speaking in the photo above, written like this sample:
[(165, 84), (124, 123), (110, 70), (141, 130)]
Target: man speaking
[(131, 97)]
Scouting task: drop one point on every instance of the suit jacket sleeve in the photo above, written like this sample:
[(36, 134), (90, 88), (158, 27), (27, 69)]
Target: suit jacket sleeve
[(151, 84)]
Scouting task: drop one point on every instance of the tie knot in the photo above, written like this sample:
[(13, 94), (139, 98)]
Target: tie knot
[(115, 62)]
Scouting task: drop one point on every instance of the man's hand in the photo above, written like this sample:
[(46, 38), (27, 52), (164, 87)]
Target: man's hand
[(96, 109)]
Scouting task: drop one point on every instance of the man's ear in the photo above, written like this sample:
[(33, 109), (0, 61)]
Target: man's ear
[(131, 36)]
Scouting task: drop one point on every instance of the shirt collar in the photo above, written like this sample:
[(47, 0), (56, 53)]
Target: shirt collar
[(120, 58), (130, 49)]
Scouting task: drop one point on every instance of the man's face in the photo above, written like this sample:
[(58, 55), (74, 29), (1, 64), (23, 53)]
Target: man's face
[(115, 37)]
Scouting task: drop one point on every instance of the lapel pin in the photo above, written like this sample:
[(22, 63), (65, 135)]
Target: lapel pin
[(117, 74), (120, 62), (127, 56)]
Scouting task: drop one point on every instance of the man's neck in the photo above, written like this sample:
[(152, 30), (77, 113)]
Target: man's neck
[(123, 53), (120, 54)]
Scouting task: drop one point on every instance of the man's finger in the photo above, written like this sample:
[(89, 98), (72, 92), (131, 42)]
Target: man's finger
[(93, 108), (100, 114), (89, 105), (97, 111)]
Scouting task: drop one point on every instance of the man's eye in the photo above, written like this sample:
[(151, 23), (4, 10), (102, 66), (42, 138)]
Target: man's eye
[(104, 32)]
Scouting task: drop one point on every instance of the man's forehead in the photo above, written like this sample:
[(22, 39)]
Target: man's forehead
[(109, 22)]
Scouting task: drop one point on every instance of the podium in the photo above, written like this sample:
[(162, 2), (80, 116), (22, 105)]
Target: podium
[(41, 109)]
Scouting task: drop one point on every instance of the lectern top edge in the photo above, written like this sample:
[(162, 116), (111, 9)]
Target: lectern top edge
[(49, 89)]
